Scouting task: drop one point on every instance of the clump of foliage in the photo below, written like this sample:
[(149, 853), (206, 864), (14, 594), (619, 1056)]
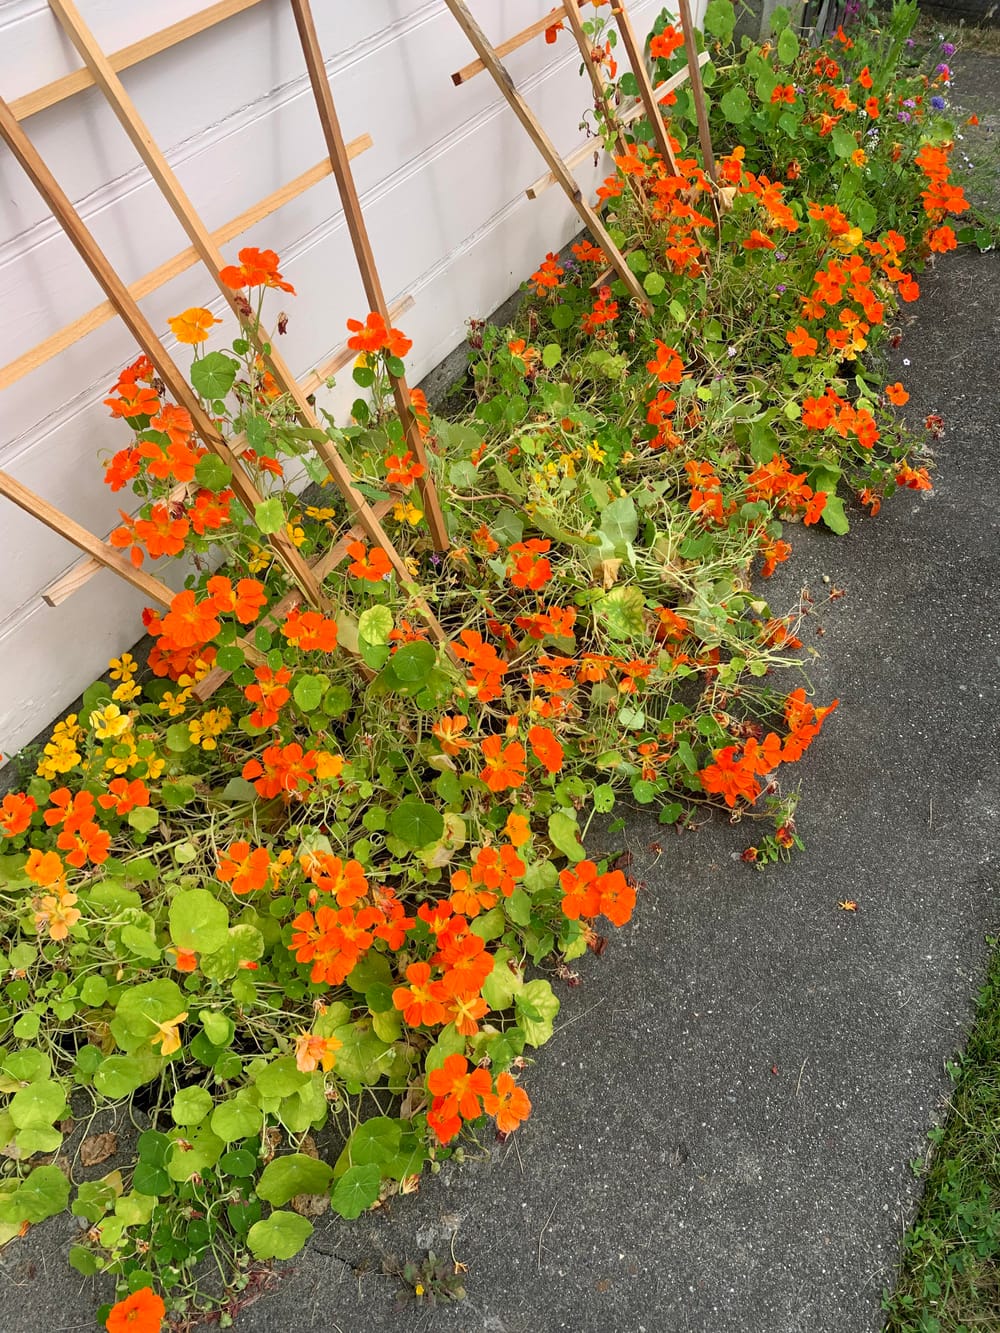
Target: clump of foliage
[(284, 892)]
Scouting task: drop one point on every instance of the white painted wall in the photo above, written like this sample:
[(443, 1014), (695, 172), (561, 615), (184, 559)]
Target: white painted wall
[(442, 191)]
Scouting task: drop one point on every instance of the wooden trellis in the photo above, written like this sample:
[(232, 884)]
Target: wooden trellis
[(101, 69), (560, 169)]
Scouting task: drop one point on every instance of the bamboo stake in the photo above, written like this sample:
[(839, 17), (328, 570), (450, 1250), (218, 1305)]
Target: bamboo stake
[(545, 147), (161, 172), (364, 255), (698, 92), (140, 328), (170, 269)]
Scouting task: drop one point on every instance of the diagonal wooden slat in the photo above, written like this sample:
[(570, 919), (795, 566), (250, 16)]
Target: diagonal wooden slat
[(364, 255), (59, 89), (519, 39), (170, 269), (546, 148)]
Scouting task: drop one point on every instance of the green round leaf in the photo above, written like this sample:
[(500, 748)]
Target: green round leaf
[(735, 105), (296, 1173), (357, 1189), (375, 625), (191, 1106), (214, 374), (240, 1162), (413, 662), (149, 1179), (198, 921), (235, 1120), (38, 1106), (279, 1236), (269, 516), (416, 824), (212, 473)]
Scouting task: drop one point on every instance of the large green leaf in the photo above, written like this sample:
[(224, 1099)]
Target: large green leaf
[(416, 823), (214, 374), (357, 1189), (279, 1236), (198, 920), (295, 1173)]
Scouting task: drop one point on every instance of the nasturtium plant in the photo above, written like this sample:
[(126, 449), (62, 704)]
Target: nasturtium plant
[(295, 893)]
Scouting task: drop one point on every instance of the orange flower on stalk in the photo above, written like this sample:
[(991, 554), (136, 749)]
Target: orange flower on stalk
[(374, 335), (783, 92), (188, 623), (185, 960), (546, 749), (662, 45), (896, 394), (270, 693), (457, 1093), (257, 268), (942, 239), (247, 599), (517, 828), (373, 565), (244, 869), (551, 33), (487, 667), (504, 767), (527, 567), (403, 470), (133, 402), (758, 241), (310, 632), (447, 731), (581, 895), (616, 897), (801, 341), (916, 479), (668, 366), (142, 1312), (285, 769), (45, 869), (312, 1052), (123, 796), (520, 351), (345, 880), (509, 1105), (547, 276), (16, 810), (85, 843), (422, 1002), (193, 326)]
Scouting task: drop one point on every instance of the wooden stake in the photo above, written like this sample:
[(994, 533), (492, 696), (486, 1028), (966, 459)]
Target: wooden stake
[(364, 255), (698, 92), (161, 172), (646, 94), (84, 540), (572, 11), (519, 39), (60, 89), (545, 146), (140, 328)]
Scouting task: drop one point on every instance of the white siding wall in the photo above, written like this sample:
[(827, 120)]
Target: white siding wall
[(442, 191)]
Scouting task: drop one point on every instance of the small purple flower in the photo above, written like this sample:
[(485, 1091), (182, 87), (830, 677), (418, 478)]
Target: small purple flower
[(937, 103), (904, 116), (943, 69), (910, 43), (948, 48), (780, 256), (909, 102), (781, 289)]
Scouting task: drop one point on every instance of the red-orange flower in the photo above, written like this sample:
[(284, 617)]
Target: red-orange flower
[(458, 1093), (546, 749), (16, 810), (374, 335), (284, 769), (758, 241), (310, 631), (801, 341), (373, 565), (504, 767), (509, 1105), (896, 394), (142, 1312), (422, 1002), (246, 869), (257, 268), (662, 45), (527, 567), (668, 366)]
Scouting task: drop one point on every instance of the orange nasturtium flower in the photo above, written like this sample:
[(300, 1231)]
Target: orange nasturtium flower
[(142, 1312), (663, 44), (667, 366), (458, 1093), (509, 1105), (758, 241), (374, 335), (16, 810), (373, 565), (447, 731), (896, 394), (312, 1052), (257, 268), (528, 568), (801, 341), (504, 765), (244, 868), (193, 326), (546, 749), (422, 1002)]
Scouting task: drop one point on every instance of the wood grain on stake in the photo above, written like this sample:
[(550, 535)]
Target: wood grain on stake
[(698, 93), (365, 256), (171, 268), (169, 186), (646, 94), (545, 146), (140, 328)]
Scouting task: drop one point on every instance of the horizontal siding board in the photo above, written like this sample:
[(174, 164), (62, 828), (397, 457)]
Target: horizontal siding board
[(442, 191)]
